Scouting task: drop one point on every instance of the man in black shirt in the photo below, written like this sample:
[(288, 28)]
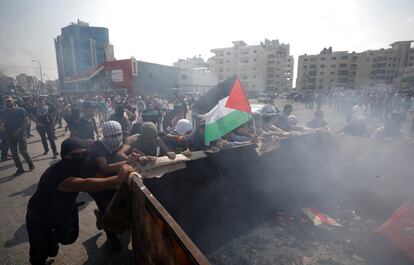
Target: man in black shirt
[(15, 121), (52, 214), (45, 125)]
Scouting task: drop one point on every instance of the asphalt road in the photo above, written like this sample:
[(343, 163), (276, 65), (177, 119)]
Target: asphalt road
[(89, 248)]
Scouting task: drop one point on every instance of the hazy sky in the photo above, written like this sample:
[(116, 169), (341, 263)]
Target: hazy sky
[(164, 31)]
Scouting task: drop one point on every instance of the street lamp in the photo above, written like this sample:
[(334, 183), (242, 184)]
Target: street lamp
[(41, 74)]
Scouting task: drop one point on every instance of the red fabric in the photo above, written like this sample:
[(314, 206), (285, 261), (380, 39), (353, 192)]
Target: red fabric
[(399, 229), (237, 99), (323, 218)]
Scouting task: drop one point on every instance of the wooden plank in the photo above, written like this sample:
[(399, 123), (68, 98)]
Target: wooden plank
[(165, 165)]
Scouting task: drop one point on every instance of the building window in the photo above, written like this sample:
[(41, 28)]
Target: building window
[(344, 57), (271, 56), (254, 51), (333, 58), (228, 53), (150, 76), (322, 66), (184, 77), (333, 65), (343, 65), (135, 68), (323, 59)]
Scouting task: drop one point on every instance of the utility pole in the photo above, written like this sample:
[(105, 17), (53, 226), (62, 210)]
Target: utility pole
[(41, 74)]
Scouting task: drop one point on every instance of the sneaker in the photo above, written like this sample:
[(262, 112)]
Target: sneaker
[(55, 154), (45, 152), (19, 172), (112, 242), (31, 167)]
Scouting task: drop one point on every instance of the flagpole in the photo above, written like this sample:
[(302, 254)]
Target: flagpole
[(254, 126)]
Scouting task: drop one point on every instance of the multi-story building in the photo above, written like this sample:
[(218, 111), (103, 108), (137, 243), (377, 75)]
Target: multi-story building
[(27, 83), (79, 49), (195, 76), (365, 70), (264, 67)]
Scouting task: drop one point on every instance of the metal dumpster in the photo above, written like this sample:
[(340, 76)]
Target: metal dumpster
[(186, 215)]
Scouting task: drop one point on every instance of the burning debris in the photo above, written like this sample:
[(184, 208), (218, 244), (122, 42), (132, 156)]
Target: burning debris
[(291, 238)]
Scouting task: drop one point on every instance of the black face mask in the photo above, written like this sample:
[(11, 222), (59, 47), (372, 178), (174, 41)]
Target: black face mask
[(79, 157)]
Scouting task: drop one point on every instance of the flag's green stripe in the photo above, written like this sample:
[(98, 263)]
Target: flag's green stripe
[(225, 125)]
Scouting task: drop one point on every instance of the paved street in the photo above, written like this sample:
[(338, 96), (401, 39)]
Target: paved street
[(88, 249)]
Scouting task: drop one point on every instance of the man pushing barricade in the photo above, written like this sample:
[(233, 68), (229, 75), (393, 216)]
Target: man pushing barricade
[(52, 214)]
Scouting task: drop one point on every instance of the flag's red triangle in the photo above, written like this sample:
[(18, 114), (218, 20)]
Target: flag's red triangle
[(237, 99)]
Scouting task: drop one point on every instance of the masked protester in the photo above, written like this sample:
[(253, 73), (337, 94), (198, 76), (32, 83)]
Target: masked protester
[(52, 214), (15, 121), (101, 162), (179, 140), (145, 143)]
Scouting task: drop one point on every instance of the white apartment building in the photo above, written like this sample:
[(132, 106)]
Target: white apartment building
[(264, 67), (365, 70), (195, 75), (26, 82)]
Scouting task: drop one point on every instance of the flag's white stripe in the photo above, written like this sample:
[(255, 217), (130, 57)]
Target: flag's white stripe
[(218, 111)]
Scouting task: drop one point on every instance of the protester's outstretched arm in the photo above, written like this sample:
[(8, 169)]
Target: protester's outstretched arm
[(165, 149), (126, 149), (106, 168), (76, 184)]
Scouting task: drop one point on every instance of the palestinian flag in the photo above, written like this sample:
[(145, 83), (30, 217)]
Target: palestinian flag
[(231, 111)]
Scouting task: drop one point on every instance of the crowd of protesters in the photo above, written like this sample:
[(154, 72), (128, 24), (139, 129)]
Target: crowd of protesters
[(358, 108), (105, 131)]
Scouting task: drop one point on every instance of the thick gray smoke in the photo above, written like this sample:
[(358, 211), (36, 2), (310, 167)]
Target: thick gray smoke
[(220, 199)]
